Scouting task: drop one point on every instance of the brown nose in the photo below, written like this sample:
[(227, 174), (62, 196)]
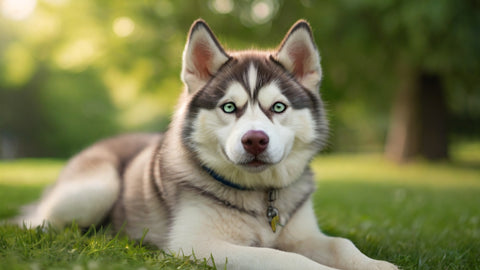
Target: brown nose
[(255, 141)]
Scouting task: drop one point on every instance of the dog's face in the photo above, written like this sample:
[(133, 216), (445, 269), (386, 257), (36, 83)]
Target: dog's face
[(253, 112)]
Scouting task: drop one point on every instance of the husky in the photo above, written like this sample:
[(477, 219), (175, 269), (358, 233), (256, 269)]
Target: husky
[(230, 178)]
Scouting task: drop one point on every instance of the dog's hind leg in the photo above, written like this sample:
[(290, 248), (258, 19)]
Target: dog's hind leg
[(85, 192)]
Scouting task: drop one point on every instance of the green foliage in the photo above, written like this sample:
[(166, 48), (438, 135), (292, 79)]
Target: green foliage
[(75, 71)]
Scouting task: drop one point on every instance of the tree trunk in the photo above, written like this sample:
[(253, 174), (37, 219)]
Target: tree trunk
[(433, 112), (418, 123), (404, 132)]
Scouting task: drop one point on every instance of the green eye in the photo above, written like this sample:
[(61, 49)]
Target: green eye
[(278, 107), (229, 107)]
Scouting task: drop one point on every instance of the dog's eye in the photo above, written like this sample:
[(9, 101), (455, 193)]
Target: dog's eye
[(229, 107), (278, 107)]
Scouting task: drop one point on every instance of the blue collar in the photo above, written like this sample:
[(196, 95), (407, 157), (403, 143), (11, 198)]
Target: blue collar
[(224, 181)]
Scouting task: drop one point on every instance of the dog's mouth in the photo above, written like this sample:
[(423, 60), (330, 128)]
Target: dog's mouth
[(255, 165), (251, 163)]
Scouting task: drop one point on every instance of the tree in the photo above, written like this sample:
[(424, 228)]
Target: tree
[(437, 37), (113, 66), (417, 49)]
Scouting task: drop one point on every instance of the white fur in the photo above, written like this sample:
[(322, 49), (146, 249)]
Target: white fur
[(201, 229), (218, 137), (227, 237), (85, 199), (252, 78)]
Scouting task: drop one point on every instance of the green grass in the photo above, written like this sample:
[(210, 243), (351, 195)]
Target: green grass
[(73, 249), (418, 216), (22, 182)]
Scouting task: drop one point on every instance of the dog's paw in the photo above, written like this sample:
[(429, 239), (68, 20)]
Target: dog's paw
[(381, 265)]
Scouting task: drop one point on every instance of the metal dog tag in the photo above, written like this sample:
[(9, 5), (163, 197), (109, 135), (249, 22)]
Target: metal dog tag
[(274, 222), (273, 217)]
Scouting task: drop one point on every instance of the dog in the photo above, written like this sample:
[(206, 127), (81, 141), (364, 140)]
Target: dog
[(230, 178)]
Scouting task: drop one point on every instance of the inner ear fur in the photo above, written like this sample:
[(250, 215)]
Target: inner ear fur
[(202, 57), (299, 55)]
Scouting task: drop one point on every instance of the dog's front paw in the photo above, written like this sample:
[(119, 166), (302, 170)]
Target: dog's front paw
[(381, 265)]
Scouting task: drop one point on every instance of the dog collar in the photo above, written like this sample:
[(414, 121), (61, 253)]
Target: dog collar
[(272, 214), (224, 181)]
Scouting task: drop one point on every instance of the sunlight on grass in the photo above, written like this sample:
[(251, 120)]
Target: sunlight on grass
[(467, 152), (462, 171), (30, 171), (23, 181)]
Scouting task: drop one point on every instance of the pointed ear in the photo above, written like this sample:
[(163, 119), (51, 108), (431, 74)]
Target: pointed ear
[(202, 57), (299, 55)]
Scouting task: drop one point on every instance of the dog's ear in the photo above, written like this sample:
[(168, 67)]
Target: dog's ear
[(299, 55), (202, 57)]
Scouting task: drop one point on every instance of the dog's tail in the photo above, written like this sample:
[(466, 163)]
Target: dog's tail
[(88, 186)]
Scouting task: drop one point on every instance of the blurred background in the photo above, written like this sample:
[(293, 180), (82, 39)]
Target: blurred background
[(400, 76)]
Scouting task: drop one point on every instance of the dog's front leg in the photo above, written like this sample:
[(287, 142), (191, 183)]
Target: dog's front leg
[(301, 235), (200, 231), (231, 256)]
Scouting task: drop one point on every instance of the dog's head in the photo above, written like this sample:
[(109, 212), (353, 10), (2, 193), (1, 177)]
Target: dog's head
[(255, 117)]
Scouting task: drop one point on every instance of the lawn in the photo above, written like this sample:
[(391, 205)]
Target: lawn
[(418, 216)]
